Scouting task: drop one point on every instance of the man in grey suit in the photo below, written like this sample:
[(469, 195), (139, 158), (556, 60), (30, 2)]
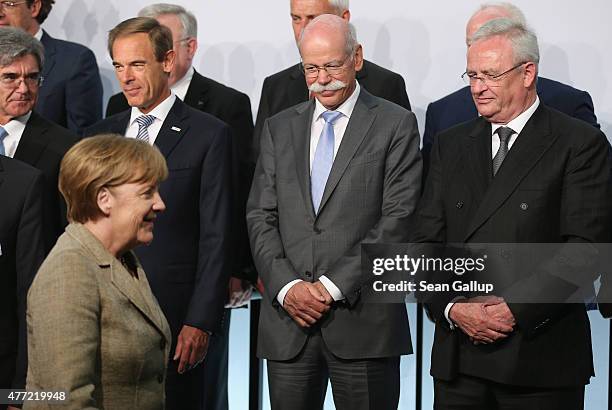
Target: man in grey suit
[(333, 173)]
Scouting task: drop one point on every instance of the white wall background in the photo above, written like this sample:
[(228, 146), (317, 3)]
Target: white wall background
[(242, 42)]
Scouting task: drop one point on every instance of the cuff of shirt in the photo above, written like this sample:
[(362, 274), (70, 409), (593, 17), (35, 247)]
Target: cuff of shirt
[(447, 311), (333, 290), (283, 292)]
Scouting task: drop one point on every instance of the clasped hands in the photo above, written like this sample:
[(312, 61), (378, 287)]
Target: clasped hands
[(485, 319), (307, 302)]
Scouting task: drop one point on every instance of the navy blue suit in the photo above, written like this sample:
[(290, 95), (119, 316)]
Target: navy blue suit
[(71, 93), (187, 262), (459, 107)]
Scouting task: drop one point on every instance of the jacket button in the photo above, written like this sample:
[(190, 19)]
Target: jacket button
[(308, 274), (162, 344), (316, 230), (524, 206), (160, 378), (459, 204)]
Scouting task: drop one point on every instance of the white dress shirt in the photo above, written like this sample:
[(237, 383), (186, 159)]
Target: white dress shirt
[(181, 86), (517, 126), (316, 127), (160, 113), (14, 129)]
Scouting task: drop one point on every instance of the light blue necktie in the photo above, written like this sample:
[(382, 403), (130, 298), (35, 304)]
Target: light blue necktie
[(323, 158), (144, 121), (3, 134)]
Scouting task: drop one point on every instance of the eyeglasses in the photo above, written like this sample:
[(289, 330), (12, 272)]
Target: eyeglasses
[(10, 5), (12, 80), (333, 69), (489, 80)]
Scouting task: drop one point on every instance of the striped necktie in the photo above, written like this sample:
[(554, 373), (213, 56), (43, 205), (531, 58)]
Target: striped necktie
[(144, 122), (504, 138), (323, 158), (3, 134)]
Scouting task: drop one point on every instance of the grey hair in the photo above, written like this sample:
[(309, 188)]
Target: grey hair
[(524, 41), (16, 43), (350, 33), (513, 13), (187, 19), (339, 5)]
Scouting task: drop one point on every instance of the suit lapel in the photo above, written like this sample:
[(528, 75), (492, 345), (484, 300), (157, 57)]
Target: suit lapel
[(1, 172), (531, 144), (33, 140), (479, 145), (197, 92), (50, 51), (300, 134), (361, 120), (172, 129)]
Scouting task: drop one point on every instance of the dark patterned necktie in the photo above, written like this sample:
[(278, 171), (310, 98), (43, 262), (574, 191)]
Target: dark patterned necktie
[(504, 137)]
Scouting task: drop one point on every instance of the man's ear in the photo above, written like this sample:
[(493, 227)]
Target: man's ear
[(530, 73), (192, 46), (35, 8), (168, 63), (104, 199), (358, 58), (346, 15)]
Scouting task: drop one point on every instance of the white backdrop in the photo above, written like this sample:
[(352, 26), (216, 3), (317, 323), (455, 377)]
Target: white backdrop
[(242, 42)]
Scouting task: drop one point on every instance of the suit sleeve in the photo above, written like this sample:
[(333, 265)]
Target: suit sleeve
[(584, 109), (428, 137), (274, 268), (401, 191), (84, 94), (586, 205), (63, 328), (401, 97), (30, 254), (215, 204), (263, 112)]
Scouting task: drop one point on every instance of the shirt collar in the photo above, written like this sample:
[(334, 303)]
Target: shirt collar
[(39, 33), (346, 108), (17, 124), (519, 122), (160, 112), (180, 87)]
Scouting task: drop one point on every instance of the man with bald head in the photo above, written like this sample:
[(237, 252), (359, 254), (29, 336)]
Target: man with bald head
[(287, 87), (459, 107), (334, 172), (519, 173)]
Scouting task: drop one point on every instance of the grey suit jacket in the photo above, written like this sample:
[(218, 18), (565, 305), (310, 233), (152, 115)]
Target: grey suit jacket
[(94, 330), (372, 190)]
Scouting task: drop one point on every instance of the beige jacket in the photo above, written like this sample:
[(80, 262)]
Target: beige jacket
[(94, 330)]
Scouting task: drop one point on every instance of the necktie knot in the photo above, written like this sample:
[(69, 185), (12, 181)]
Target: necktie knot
[(144, 121), (504, 135), (330, 117)]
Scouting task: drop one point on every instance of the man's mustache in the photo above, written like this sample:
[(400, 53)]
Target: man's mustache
[(332, 86)]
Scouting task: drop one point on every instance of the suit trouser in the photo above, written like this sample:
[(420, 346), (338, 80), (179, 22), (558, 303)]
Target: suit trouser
[(7, 372), (215, 368), (301, 383), (473, 393)]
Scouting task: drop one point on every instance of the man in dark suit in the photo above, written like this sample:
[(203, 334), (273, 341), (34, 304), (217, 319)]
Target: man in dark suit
[(288, 87), (187, 264), (27, 136), (521, 173), (21, 253), (234, 108), (459, 107), (334, 172), (71, 94)]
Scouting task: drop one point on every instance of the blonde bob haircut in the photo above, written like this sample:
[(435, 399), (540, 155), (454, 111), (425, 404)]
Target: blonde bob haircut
[(105, 161)]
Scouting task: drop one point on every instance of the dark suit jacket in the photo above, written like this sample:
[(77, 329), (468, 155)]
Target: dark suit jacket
[(43, 145), (371, 191), (71, 92), (288, 88), (553, 187), (187, 262), (459, 107), (233, 108), (21, 253)]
